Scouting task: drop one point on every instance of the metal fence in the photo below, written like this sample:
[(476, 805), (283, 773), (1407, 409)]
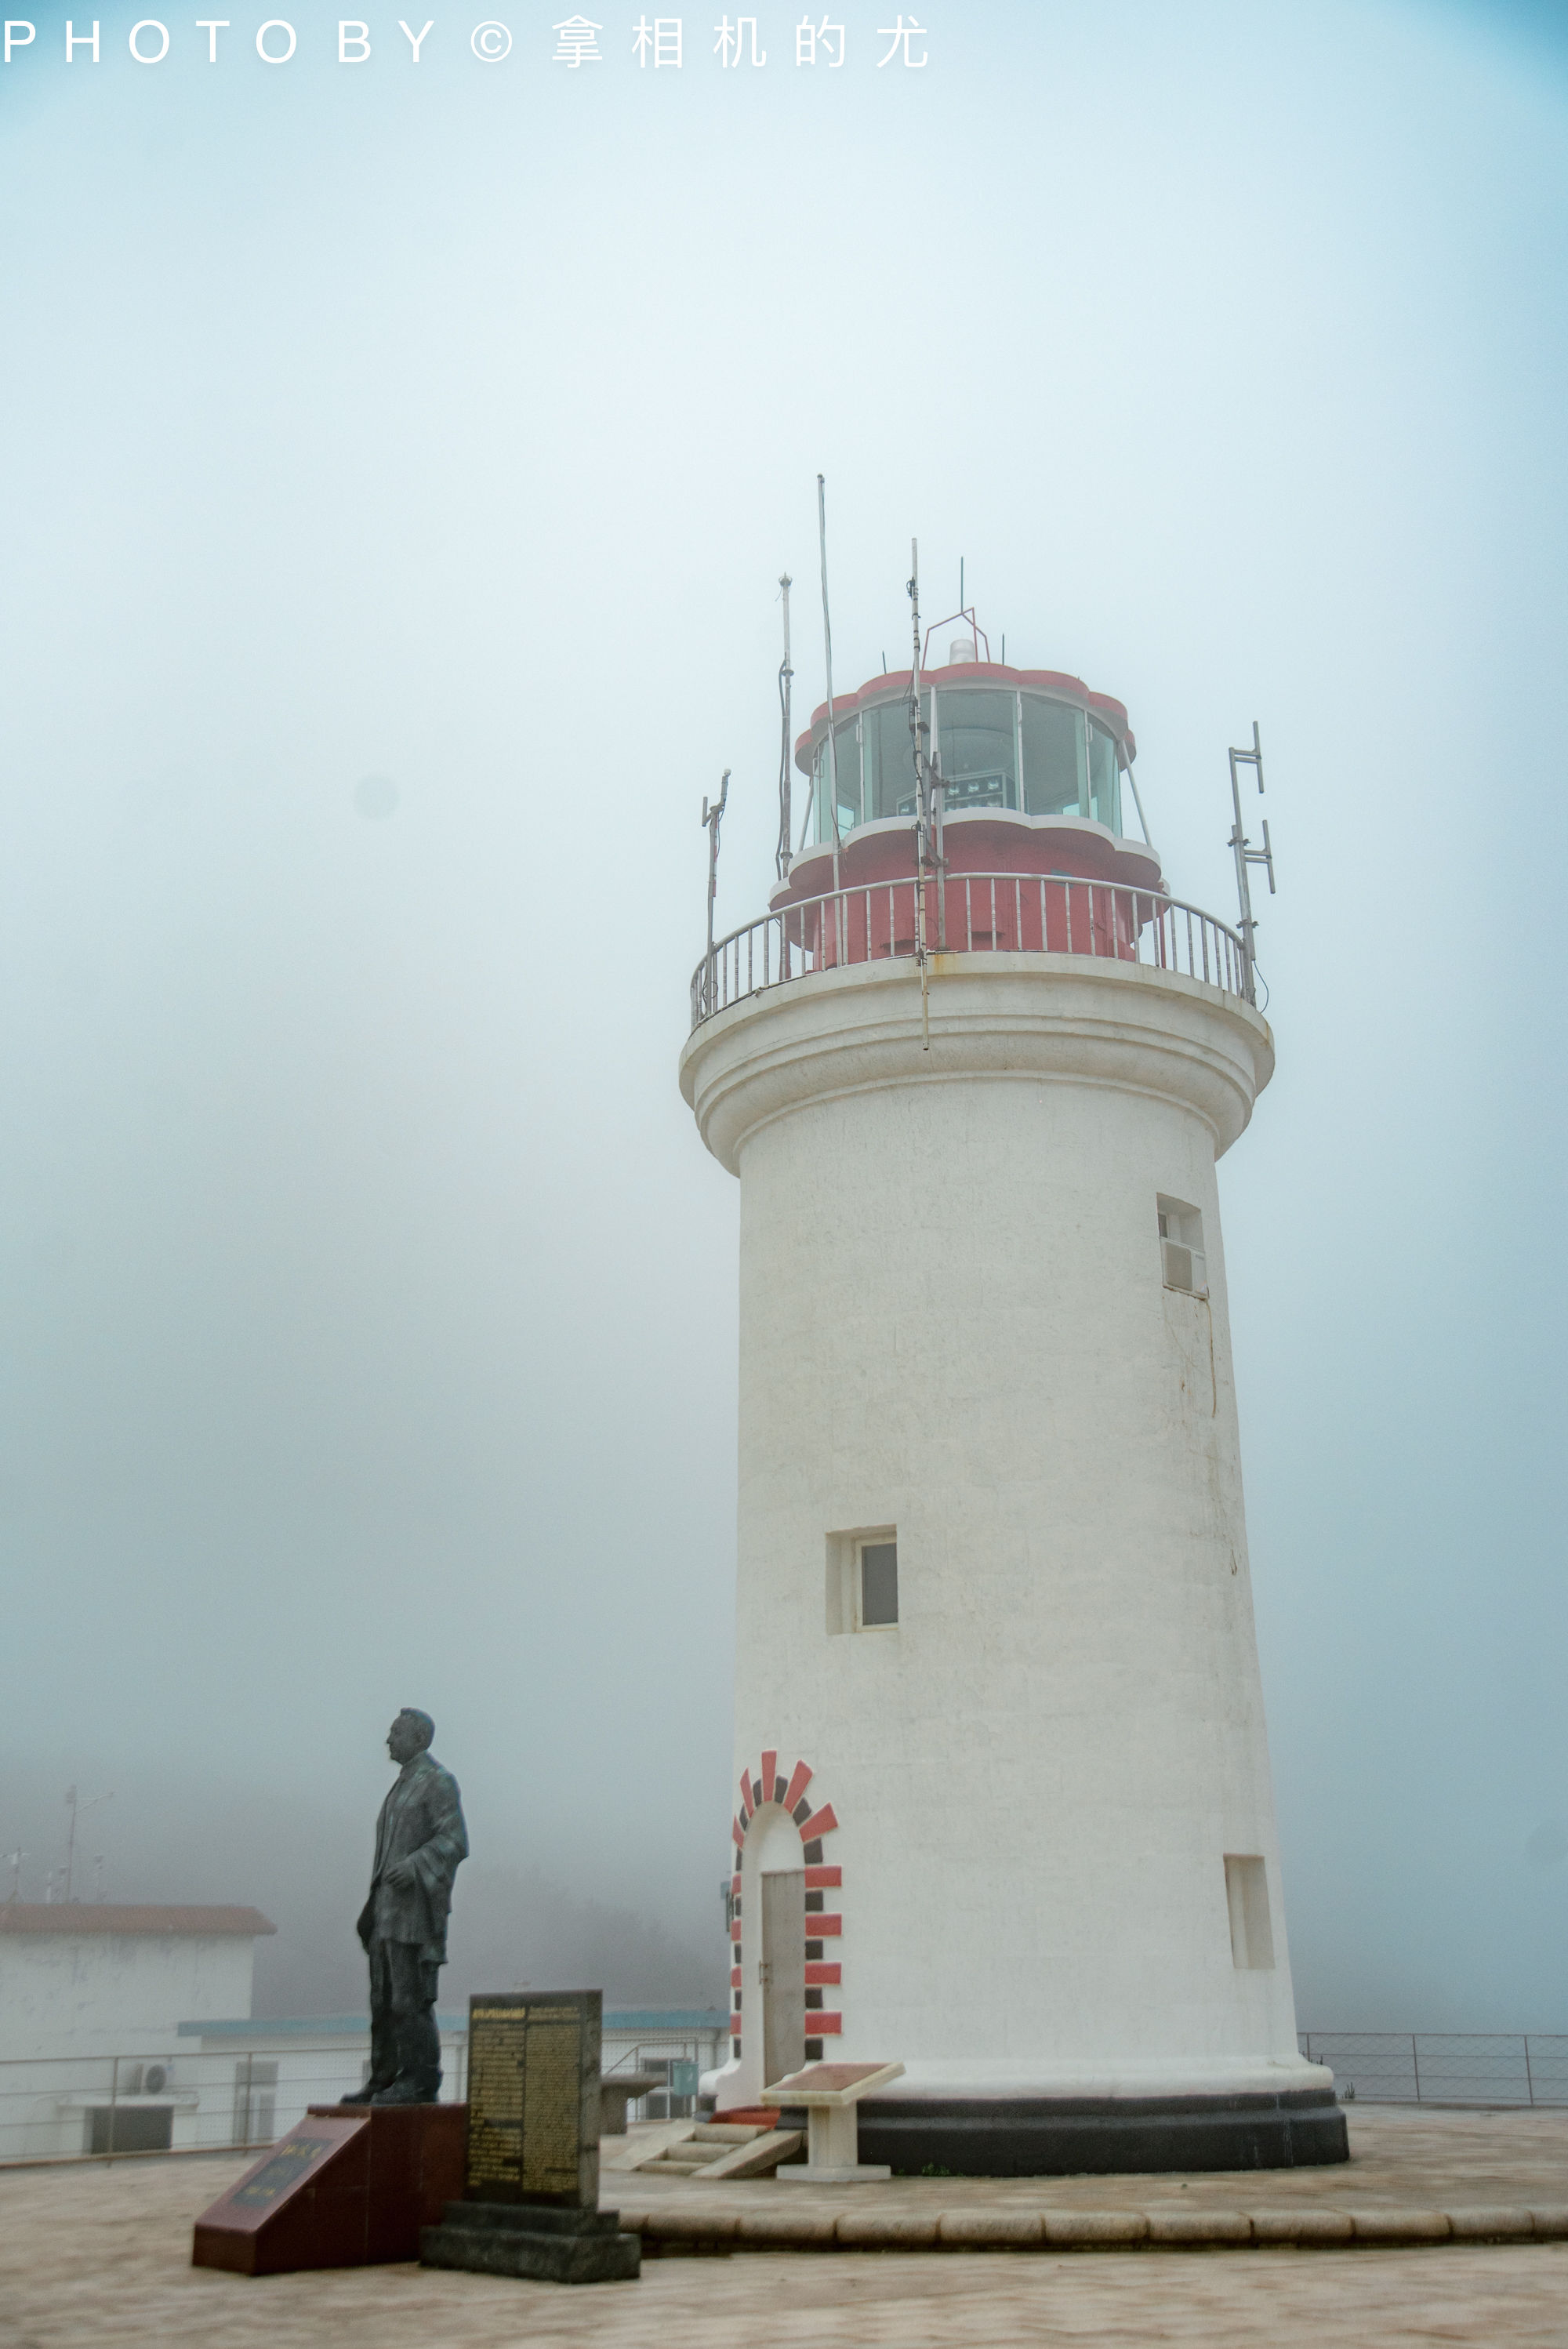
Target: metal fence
[(209, 2097), (55, 2106), (215, 2099), (969, 913), (1443, 2067)]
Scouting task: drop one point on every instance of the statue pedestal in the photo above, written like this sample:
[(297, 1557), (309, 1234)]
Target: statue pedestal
[(521, 2239), (351, 2186)]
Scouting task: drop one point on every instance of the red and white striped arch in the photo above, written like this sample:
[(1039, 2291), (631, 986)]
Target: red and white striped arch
[(771, 1788)]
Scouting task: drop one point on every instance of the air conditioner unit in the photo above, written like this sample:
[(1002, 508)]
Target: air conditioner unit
[(155, 2079)]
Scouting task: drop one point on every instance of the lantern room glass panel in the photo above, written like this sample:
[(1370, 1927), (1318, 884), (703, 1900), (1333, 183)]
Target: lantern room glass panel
[(1104, 778), (888, 757), (846, 753), (847, 750), (1055, 758), (978, 744)]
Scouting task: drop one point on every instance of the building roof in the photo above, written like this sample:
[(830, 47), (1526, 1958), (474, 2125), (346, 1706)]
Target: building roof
[(131, 1916)]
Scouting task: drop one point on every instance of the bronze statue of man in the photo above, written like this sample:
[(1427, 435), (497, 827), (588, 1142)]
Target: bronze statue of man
[(420, 1838)]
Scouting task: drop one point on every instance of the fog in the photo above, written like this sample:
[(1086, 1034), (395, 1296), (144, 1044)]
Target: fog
[(399, 465)]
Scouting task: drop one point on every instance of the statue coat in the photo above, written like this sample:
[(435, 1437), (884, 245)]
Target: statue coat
[(421, 1821)]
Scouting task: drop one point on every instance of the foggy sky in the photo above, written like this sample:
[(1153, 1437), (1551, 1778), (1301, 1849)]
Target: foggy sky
[(398, 468)]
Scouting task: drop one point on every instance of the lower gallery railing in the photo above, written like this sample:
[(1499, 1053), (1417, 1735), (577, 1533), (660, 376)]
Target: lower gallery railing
[(969, 913), (1443, 2067)]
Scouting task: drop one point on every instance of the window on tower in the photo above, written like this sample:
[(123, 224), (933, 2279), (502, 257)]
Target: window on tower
[(862, 1580), (1247, 1899), (1183, 1263), (879, 1583)]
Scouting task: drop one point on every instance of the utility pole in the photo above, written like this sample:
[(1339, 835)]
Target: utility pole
[(75, 1806)]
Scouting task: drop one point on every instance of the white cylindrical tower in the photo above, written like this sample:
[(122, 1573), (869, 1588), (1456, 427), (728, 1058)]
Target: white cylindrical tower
[(1003, 1808)]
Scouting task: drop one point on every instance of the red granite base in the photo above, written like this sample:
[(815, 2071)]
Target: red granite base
[(350, 2187)]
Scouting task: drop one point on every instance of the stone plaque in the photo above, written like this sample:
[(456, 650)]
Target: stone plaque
[(301, 2205), (281, 2174), (343, 2190), (534, 2098)]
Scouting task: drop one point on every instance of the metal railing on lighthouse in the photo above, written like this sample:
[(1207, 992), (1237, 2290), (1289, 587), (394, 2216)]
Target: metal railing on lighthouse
[(980, 913)]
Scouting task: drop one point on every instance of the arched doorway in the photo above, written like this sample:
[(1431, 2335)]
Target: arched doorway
[(778, 1902), (785, 1937)]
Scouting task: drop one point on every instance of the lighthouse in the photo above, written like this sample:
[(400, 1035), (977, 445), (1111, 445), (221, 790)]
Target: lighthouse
[(1001, 1809)]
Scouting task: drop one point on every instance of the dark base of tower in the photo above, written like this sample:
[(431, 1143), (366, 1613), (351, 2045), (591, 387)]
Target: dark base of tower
[(1051, 2137)]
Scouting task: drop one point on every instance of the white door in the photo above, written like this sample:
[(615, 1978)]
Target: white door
[(782, 1974)]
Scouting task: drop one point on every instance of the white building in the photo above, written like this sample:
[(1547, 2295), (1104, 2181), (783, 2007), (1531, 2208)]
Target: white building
[(92, 1999), (1004, 1808)]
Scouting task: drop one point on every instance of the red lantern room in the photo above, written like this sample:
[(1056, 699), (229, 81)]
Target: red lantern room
[(1028, 766)]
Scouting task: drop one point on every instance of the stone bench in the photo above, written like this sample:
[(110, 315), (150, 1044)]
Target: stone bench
[(616, 2090)]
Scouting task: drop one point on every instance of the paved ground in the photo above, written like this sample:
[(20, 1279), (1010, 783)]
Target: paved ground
[(100, 2256), (1416, 2156)]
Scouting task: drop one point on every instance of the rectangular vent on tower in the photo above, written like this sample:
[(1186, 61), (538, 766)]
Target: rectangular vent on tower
[(1247, 1898), (1183, 1263)]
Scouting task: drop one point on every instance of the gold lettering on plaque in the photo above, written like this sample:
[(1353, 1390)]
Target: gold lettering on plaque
[(525, 2099), (552, 2105), (495, 2057)]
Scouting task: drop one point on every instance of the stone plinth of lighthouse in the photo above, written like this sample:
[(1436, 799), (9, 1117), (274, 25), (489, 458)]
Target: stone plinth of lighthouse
[(1003, 1808)]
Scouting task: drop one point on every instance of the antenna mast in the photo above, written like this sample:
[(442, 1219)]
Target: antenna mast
[(1246, 855), (712, 817), (781, 854), (923, 796), (828, 652)]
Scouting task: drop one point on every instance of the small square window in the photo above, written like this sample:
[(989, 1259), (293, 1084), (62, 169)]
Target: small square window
[(1183, 1261), (862, 1580)]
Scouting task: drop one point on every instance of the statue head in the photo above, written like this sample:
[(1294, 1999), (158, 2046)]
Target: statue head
[(410, 1735)]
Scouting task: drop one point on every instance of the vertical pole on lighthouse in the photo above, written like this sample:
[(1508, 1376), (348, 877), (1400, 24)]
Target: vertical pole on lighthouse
[(921, 808), (786, 675), (712, 818), (1245, 854), (828, 654)]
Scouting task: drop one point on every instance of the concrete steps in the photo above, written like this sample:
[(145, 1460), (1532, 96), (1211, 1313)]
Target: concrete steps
[(713, 2149)]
